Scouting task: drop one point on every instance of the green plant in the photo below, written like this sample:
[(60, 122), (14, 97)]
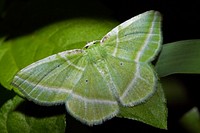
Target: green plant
[(19, 115)]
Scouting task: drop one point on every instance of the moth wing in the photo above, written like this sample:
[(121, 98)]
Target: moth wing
[(138, 38), (51, 80), (133, 82), (92, 100)]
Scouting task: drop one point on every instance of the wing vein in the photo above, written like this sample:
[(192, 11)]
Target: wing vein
[(108, 79), (70, 63), (117, 42), (148, 38), (133, 81)]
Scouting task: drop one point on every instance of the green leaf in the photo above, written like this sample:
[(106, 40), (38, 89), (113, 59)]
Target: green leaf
[(69, 34), (191, 121), (19, 116), (152, 112), (179, 57), (3, 50)]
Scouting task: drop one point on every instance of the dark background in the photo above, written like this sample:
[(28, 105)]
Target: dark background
[(180, 18), (180, 22)]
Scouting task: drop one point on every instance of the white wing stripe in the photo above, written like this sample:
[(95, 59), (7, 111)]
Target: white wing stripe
[(93, 100), (117, 42), (64, 90), (141, 51), (108, 79), (63, 55), (133, 81), (61, 90)]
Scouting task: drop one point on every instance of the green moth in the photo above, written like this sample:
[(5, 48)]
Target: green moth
[(95, 80)]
